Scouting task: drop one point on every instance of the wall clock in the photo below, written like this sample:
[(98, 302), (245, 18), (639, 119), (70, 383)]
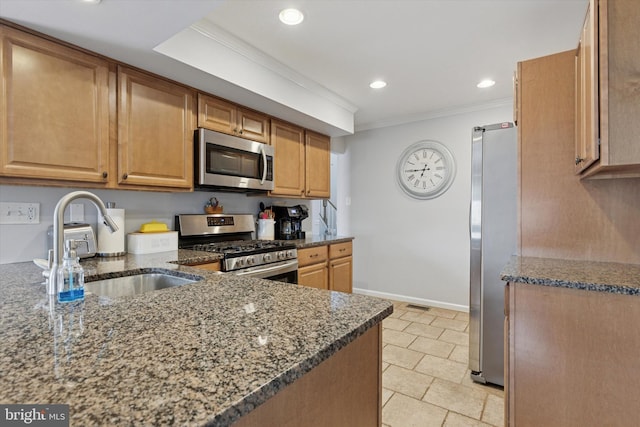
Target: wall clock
[(425, 169)]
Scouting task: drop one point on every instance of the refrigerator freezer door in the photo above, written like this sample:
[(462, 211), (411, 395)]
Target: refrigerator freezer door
[(493, 224)]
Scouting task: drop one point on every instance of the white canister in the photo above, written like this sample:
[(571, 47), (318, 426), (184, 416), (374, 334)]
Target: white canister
[(111, 244), (266, 229)]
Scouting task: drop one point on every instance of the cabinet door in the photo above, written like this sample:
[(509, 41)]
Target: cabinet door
[(217, 114), (55, 110), (155, 131), (313, 255), (587, 130), (318, 165), (315, 276), (253, 125), (210, 266), (340, 274), (289, 164)]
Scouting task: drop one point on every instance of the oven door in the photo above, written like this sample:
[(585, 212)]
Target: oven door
[(284, 271)]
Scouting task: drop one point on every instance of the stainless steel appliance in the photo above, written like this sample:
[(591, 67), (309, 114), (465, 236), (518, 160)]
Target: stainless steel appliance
[(288, 225), (80, 232), (493, 228), (230, 163), (233, 237)]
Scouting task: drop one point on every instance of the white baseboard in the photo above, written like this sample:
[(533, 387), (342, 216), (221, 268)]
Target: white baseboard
[(412, 300)]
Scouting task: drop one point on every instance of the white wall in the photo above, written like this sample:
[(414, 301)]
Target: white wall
[(25, 242), (407, 249)]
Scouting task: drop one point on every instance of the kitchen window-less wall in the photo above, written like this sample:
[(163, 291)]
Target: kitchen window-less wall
[(20, 243), (407, 249)]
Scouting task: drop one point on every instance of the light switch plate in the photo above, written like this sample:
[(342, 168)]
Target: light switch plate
[(19, 213)]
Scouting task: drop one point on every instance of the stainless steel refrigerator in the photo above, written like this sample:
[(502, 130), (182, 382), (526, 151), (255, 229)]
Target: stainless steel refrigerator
[(493, 229)]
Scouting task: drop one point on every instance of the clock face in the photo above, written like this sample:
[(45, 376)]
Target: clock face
[(425, 169)]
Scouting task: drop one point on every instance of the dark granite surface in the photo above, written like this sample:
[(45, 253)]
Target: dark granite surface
[(320, 241), (587, 275), (199, 354)]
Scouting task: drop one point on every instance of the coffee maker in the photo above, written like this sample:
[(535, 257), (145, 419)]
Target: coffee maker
[(288, 225)]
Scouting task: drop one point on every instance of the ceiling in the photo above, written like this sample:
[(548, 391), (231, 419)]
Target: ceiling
[(431, 53)]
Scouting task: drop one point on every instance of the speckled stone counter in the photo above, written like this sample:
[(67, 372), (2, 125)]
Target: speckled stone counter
[(587, 275), (312, 241), (205, 353)]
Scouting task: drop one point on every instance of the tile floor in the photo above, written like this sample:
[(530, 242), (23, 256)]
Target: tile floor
[(425, 379)]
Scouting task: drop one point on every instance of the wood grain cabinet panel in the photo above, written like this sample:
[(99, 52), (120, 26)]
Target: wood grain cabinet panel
[(315, 276), (55, 110), (341, 267), (223, 116), (289, 161), (318, 165), (156, 122)]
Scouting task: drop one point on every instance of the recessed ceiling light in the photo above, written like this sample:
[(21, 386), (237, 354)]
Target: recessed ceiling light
[(291, 16), (486, 83), (378, 84)]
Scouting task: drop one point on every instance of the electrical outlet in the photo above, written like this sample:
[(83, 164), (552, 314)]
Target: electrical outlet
[(19, 213)]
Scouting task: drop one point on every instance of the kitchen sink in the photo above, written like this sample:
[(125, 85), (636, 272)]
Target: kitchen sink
[(136, 284)]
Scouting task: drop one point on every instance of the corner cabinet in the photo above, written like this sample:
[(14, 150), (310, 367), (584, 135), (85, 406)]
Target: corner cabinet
[(572, 357), (302, 163), (156, 121), (222, 116), (327, 267), (55, 111), (607, 91)]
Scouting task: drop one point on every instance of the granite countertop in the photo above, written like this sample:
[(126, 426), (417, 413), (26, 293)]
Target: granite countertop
[(205, 353), (587, 275), (320, 241)]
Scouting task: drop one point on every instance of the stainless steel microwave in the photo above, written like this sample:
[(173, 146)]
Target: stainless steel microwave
[(227, 162)]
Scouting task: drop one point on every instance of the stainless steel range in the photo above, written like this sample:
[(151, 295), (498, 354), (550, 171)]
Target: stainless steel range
[(232, 235)]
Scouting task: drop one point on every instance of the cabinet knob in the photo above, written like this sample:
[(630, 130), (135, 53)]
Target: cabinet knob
[(579, 160), (104, 174), (125, 176)]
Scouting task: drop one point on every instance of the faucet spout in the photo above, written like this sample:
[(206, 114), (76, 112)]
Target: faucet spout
[(58, 231)]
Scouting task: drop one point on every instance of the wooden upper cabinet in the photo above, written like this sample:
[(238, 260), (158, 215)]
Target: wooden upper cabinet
[(613, 28), (289, 161), (156, 121), (55, 111), (222, 116), (586, 121), (318, 165)]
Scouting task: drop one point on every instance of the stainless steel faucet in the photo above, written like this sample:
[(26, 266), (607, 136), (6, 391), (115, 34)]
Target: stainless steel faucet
[(58, 232)]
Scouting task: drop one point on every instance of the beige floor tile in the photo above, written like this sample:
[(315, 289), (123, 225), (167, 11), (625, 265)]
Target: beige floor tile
[(494, 411), (442, 312), (406, 381), (404, 411), (385, 365), (456, 397), (488, 388), (424, 330), (401, 339), (460, 354), (418, 317), (397, 312), (386, 395), (441, 368), (395, 324), (456, 325), (462, 316), (457, 420), (431, 346), (401, 356), (455, 337)]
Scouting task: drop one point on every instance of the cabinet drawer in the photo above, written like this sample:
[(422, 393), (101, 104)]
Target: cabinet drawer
[(338, 250), (308, 256)]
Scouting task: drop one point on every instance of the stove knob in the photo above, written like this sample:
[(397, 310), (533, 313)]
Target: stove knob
[(280, 255), (239, 262), (251, 260), (290, 254), (267, 257)]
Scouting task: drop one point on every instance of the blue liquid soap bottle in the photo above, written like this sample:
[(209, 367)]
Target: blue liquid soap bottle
[(70, 275)]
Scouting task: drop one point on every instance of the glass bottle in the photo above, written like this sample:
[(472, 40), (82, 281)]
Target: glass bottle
[(70, 275)]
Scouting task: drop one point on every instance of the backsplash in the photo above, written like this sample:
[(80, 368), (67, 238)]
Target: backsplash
[(25, 242)]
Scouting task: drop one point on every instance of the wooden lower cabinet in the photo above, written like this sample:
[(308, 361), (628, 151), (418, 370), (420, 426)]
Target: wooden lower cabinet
[(573, 357), (344, 390), (327, 267), (210, 266)]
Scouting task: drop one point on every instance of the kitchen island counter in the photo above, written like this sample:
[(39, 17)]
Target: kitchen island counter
[(205, 353)]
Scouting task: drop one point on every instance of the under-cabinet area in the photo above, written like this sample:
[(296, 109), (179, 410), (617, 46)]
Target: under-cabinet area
[(136, 128)]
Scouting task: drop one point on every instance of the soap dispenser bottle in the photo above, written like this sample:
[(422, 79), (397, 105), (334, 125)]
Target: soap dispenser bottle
[(70, 275)]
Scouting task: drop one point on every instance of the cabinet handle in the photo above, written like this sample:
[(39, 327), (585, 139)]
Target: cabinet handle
[(240, 131), (579, 160), (313, 256), (125, 176), (104, 174)]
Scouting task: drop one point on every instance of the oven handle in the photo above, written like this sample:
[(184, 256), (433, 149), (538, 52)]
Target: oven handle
[(264, 165), (269, 269)]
